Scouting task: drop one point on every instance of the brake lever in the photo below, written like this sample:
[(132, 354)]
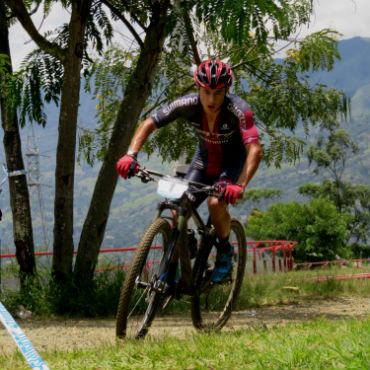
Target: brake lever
[(145, 179), (144, 176), (213, 191)]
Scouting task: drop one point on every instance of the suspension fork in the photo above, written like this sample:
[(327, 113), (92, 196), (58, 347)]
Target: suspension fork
[(177, 242), (173, 242), (186, 280)]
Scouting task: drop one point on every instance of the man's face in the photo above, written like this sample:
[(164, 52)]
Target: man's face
[(211, 99)]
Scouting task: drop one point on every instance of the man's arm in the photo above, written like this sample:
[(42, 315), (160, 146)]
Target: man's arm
[(141, 135), (128, 165), (251, 164)]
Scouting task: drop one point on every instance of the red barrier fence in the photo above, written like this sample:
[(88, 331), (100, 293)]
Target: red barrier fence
[(257, 247)]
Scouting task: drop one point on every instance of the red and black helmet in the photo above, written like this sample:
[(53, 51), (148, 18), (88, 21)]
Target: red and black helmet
[(213, 74)]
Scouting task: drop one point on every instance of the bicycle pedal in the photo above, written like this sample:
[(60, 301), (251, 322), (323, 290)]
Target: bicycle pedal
[(141, 284)]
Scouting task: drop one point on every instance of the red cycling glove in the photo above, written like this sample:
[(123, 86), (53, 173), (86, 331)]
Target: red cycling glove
[(127, 166), (230, 192)]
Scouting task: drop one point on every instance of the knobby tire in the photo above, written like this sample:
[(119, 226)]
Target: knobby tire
[(212, 304), (146, 303)]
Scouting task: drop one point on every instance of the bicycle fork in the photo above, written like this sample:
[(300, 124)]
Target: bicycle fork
[(177, 240)]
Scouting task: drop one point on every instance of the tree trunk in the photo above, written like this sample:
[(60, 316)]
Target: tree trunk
[(136, 94), (66, 150), (19, 196)]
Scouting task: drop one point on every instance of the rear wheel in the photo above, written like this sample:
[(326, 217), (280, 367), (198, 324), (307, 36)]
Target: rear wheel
[(138, 301), (212, 303)]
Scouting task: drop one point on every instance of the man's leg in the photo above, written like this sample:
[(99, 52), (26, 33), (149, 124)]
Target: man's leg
[(219, 216), (221, 221)]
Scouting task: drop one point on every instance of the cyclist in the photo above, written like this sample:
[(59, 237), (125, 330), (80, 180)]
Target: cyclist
[(228, 151)]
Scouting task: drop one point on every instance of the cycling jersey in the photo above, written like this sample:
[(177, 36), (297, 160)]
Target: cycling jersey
[(224, 148)]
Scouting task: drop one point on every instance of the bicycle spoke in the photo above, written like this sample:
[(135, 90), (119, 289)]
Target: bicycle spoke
[(137, 303)]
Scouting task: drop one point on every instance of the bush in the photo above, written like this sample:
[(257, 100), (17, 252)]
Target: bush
[(360, 250), (97, 298), (319, 228)]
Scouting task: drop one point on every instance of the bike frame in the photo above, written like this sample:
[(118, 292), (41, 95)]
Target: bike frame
[(183, 208), (195, 278)]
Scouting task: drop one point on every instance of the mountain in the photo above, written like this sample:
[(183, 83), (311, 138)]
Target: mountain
[(134, 203), (352, 71)]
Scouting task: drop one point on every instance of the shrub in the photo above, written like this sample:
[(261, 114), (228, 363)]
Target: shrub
[(319, 228), (97, 298)]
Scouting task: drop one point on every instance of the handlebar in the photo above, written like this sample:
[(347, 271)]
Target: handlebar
[(146, 176)]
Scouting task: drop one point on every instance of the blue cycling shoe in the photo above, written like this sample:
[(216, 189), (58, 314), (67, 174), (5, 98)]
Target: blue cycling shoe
[(223, 265)]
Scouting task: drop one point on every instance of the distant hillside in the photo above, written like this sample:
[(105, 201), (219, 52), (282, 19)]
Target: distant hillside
[(134, 203), (353, 70)]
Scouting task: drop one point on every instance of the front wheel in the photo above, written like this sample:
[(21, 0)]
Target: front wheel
[(212, 303), (138, 301)]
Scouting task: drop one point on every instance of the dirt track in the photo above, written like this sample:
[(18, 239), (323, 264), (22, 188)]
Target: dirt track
[(72, 334)]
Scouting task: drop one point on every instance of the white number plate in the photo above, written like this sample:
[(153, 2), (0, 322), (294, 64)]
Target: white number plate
[(169, 188)]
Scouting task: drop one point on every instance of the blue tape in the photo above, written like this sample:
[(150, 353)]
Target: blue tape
[(23, 343)]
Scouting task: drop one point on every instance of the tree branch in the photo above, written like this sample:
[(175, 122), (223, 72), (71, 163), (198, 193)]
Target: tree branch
[(228, 52), (189, 31), (158, 103), (256, 69), (136, 19), (118, 14), (32, 12), (19, 9)]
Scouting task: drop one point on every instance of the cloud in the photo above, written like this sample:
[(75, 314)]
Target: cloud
[(350, 17)]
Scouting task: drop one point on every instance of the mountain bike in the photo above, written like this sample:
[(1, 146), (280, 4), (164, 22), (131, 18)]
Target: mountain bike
[(148, 289)]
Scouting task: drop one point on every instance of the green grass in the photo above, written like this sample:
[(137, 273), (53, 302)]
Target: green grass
[(317, 344), (320, 344), (270, 288), (102, 298)]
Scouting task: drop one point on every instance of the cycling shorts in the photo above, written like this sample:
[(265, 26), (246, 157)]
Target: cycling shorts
[(200, 175)]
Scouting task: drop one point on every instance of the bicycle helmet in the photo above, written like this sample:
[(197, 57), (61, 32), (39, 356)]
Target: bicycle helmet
[(213, 74)]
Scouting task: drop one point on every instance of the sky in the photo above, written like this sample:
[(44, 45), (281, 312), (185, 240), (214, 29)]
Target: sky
[(349, 17)]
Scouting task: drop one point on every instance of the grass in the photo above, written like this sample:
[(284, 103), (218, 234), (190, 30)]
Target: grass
[(317, 344), (272, 288), (320, 344), (101, 298)]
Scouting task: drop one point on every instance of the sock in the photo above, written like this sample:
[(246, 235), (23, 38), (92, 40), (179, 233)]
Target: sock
[(223, 245)]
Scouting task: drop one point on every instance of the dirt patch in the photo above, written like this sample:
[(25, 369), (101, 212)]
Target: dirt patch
[(88, 333), (331, 309)]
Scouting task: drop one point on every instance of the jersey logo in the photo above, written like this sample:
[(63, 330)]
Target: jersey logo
[(225, 126), (182, 102)]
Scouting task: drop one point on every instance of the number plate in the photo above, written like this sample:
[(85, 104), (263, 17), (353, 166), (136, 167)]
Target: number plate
[(170, 188)]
